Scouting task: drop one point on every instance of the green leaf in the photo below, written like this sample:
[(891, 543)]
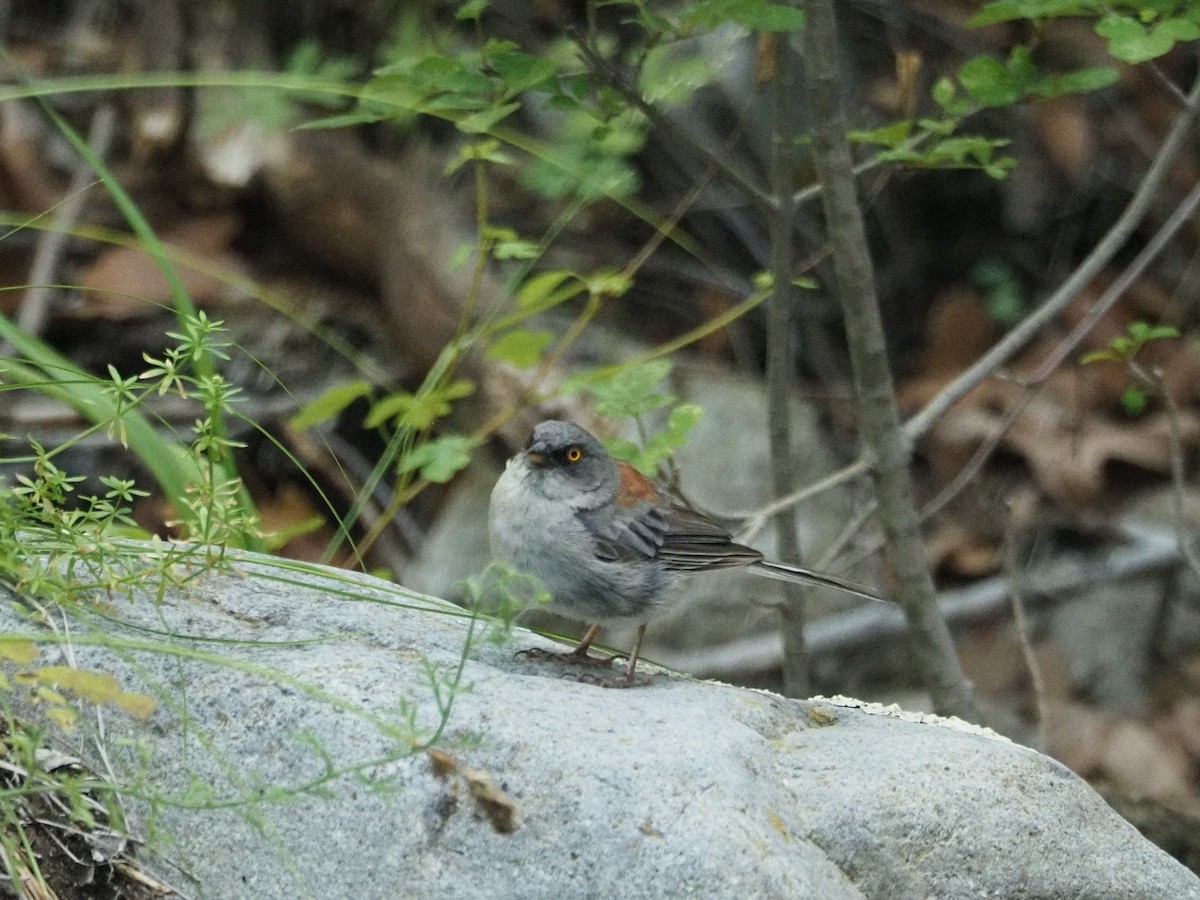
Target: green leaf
[(892, 135), (1076, 82), (520, 347), (537, 289), (516, 249), (419, 411), (441, 459), (608, 284), (471, 9), (990, 82), (670, 74), (945, 95), (442, 74), (1134, 401), (456, 389), (1096, 356), (1004, 298), (756, 14), (521, 71), (329, 404), (1010, 10), (684, 417), (1131, 41), (483, 120), (631, 391), (456, 103), (344, 120)]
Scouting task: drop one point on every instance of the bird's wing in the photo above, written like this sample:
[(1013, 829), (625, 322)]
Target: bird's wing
[(642, 523), (693, 543)]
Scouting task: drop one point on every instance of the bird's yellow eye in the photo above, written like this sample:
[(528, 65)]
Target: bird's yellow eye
[(574, 454)]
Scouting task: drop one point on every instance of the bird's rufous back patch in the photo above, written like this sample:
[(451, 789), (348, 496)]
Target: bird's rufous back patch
[(634, 486)]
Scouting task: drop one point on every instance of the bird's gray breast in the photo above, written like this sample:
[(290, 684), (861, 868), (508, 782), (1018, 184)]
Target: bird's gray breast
[(550, 540)]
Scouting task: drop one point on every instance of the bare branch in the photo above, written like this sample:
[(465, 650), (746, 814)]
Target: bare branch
[(1100, 256), (886, 443)]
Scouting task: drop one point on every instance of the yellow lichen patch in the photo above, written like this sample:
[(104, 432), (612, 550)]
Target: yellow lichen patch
[(137, 705), (778, 824), (820, 717), (98, 687), (63, 716), (19, 651)]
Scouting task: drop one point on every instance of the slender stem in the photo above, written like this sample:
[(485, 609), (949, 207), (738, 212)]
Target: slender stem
[(781, 358), (886, 443)]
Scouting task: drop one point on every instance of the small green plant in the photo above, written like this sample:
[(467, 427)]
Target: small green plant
[(1124, 349)]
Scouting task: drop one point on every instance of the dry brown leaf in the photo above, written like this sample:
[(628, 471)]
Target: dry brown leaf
[(500, 809), (955, 549), (1184, 725), (1142, 763), (1181, 374), (958, 331), (125, 283), (1075, 735), (442, 763), (1072, 467), (992, 659), (1066, 132)]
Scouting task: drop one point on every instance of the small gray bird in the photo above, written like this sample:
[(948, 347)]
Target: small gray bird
[(607, 542)]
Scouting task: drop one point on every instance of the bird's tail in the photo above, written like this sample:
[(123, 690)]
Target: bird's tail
[(801, 575)]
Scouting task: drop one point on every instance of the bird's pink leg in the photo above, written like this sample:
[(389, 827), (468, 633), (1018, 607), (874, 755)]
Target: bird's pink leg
[(631, 667), (590, 635)]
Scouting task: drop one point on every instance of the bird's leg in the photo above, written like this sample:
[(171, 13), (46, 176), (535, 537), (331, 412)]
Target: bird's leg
[(590, 635), (629, 678), (631, 667)]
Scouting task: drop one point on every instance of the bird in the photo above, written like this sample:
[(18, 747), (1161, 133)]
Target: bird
[(608, 543)]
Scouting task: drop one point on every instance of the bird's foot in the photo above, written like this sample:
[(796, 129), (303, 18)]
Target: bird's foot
[(616, 681), (574, 658)]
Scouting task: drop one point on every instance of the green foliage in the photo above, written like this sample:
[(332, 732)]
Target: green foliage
[(1136, 30), (986, 82), (1004, 297), (1124, 349), (504, 592), (1134, 41), (419, 411), (440, 459), (991, 82), (759, 15), (195, 477), (632, 391), (330, 404), (521, 347)]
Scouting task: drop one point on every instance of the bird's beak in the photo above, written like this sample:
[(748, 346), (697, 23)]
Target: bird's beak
[(536, 454)]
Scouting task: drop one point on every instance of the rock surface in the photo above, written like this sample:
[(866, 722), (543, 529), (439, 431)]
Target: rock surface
[(284, 762)]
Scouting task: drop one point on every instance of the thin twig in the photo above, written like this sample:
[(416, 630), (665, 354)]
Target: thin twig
[(1016, 580), (756, 521), (1065, 348), (1184, 541), (35, 307), (1100, 256)]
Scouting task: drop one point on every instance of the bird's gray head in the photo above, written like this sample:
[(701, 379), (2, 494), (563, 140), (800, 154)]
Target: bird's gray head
[(564, 462)]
